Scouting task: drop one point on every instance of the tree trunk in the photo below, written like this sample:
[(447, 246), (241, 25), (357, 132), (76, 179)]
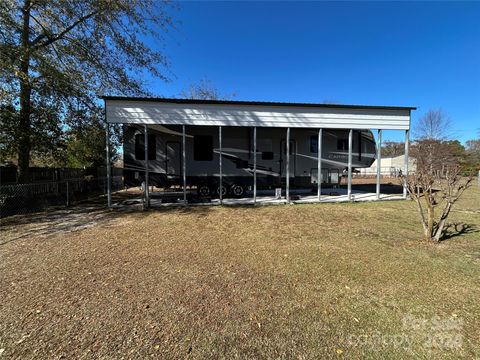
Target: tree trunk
[(441, 224), (24, 128), (430, 222), (416, 197)]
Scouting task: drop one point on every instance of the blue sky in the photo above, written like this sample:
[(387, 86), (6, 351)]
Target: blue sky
[(421, 54)]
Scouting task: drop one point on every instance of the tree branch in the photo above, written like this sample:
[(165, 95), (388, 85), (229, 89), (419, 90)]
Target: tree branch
[(61, 34)]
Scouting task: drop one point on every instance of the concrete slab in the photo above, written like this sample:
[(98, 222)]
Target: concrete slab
[(297, 197)]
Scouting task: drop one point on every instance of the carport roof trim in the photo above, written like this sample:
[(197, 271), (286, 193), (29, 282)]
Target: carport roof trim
[(257, 103)]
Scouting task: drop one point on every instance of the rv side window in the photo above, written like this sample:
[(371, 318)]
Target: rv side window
[(140, 147), (314, 144), (342, 144), (203, 148)]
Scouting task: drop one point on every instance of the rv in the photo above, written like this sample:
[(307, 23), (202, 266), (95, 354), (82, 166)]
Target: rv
[(202, 152)]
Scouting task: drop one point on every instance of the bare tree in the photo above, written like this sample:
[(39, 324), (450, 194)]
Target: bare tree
[(434, 125), (436, 184), (204, 90), (393, 148)]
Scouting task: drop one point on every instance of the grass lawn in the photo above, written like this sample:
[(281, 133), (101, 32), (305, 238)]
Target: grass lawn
[(300, 281)]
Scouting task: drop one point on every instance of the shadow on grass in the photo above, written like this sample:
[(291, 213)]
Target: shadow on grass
[(83, 215), (453, 230), (389, 188)]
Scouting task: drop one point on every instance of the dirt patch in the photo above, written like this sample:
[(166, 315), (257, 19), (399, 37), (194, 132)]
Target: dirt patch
[(47, 224)]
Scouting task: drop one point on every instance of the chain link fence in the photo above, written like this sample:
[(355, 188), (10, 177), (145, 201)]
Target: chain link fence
[(27, 198)]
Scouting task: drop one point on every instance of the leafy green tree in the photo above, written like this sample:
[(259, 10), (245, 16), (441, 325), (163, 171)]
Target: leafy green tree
[(7, 132), (58, 55), (84, 148), (473, 155), (456, 147)]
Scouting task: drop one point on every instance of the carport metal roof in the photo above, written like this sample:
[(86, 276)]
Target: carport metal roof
[(167, 111)]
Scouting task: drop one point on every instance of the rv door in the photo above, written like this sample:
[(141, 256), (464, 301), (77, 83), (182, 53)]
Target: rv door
[(283, 155), (173, 158)]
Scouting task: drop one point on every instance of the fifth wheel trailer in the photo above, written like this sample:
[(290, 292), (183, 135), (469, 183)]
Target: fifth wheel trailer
[(215, 139), (202, 149)]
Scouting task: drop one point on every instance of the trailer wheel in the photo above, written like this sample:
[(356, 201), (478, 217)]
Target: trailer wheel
[(203, 190), (237, 190), (224, 190)]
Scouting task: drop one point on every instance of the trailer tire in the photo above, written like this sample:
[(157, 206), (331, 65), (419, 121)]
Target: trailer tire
[(224, 191), (237, 190), (204, 190)]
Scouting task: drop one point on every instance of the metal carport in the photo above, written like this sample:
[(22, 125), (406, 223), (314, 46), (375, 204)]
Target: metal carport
[(254, 114)]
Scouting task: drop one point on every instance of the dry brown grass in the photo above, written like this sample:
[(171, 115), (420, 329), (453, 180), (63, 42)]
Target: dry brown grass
[(267, 282)]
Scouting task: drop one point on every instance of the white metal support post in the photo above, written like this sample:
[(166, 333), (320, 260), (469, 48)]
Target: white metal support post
[(254, 165), (109, 176), (147, 194), (379, 161), (319, 165), (220, 186), (350, 146), (287, 167), (184, 169), (407, 144)]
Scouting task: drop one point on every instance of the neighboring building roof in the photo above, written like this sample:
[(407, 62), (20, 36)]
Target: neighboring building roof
[(260, 103)]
